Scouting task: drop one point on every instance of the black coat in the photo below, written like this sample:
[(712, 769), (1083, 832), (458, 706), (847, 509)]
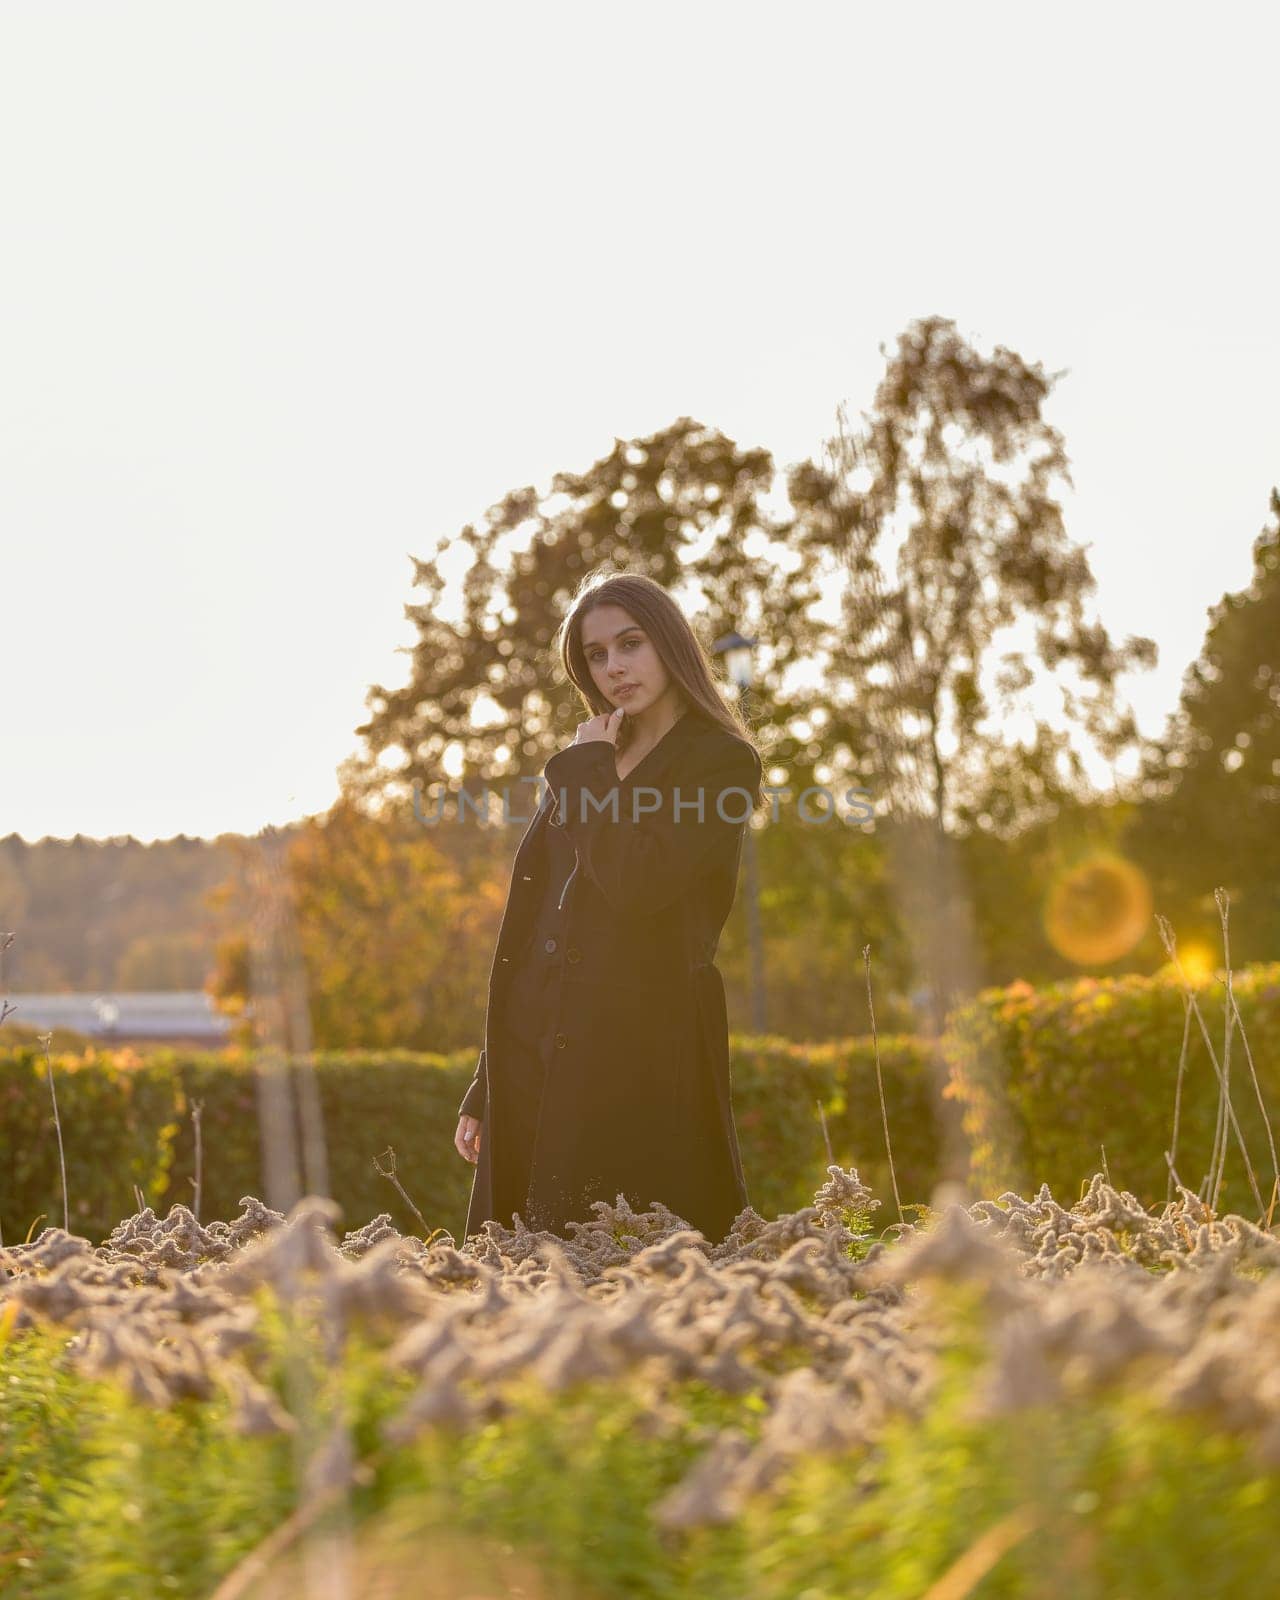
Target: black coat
[(637, 1098)]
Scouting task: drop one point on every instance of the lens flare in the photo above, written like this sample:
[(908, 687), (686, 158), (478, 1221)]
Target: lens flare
[(1198, 963), (1098, 910)]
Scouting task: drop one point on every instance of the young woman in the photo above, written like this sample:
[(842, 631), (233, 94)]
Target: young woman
[(605, 1066)]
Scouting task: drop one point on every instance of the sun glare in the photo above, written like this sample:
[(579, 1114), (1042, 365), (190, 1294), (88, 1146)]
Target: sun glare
[(1098, 910)]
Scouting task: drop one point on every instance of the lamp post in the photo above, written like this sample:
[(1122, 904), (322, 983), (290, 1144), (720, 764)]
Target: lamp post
[(738, 661)]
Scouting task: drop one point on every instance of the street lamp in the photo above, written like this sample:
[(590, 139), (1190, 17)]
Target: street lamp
[(737, 653), (737, 658)]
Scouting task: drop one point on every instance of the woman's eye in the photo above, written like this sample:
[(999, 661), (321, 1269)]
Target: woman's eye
[(627, 645)]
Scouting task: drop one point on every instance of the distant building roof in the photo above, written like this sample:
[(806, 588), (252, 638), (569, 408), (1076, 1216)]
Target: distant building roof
[(139, 1014)]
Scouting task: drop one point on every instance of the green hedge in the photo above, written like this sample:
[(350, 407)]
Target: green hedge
[(119, 1116), (1048, 1077), (126, 1119)]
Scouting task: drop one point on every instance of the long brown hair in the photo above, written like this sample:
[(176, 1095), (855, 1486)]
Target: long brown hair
[(679, 648)]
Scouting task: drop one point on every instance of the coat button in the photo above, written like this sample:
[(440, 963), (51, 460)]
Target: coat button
[(561, 1041), (550, 947), (573, 953)]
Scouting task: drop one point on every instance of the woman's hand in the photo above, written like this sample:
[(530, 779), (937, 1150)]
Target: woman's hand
[(605, 727), (466, 1141)]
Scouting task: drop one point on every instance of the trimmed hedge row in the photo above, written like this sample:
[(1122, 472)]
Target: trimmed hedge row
[(126, 1119), (1047, 1077)]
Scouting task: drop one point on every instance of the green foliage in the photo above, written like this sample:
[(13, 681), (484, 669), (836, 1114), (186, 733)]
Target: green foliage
[(119, 1115), (1047, 1077), (102, 1496), (126, 1119), (1210, 782), (1107, 1485), (101, 914), (777, 1088), (394, 938)]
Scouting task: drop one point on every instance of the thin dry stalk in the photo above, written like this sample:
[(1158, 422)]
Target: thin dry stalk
[(390, 1154), (137, 1199), (969, 1569), (46, 1040), (6, 939), (1223, 904), (884, 1113), (197, 1106), (1177, 1093), (242, 1578), (1105, 1173), (1219, 1143), (1220, 1140), (826, 1137), (1170, 944), (1230, 1109), (1257, 1087)]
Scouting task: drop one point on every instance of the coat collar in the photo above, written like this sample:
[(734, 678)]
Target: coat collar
[(656, 762), (660, 757)]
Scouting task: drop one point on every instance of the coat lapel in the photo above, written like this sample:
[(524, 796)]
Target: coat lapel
[(654, 768)]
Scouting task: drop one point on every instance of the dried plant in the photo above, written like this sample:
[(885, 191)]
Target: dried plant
[(46, 1039), (197, 1107), (1183, 1304), (1226, 1110)]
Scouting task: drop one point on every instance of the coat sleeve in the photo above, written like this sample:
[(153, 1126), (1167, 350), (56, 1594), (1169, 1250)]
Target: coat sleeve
[(642, 860), (473, 1102)]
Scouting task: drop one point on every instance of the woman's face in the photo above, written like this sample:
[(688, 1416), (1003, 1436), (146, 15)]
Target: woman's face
[(619, 652)]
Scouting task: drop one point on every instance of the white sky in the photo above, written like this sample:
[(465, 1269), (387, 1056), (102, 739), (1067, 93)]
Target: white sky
[(290, 290)]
